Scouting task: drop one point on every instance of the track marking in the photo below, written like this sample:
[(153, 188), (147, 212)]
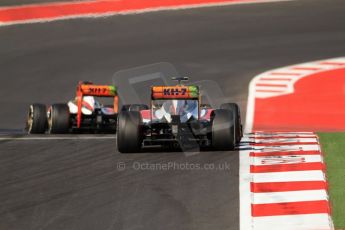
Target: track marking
[(289, 196), (275, 88), (290, 208), (313, 175), (282, 175), (245, 179), (287, 186), (103, 8), (286, 153), (286, 148), (297, 222), (287, 167), (287, 159)]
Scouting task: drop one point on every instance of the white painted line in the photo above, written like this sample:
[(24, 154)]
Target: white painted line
[(248, 128), (283, 136), (271, 88), (312, 175), (245, 194), (287, 148), (294, 196), (286, 140), (274, 160), (274, 78), (265, 94), (293, 222), (265, 133), (285, 72), (272, 82)]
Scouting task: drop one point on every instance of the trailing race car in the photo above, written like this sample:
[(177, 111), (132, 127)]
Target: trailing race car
[(83, 114), (177, 117)]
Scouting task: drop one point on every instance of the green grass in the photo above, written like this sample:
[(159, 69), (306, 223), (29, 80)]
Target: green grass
[(333, 147)]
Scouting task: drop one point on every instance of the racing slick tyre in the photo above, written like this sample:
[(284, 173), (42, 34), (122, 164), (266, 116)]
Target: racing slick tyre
[(37, 119), (58, 119), (134, 107), (129, 132), (223, 130), (237, 117)]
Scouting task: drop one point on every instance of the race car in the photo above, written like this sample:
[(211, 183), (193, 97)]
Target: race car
[(83, 114), (176, 117)]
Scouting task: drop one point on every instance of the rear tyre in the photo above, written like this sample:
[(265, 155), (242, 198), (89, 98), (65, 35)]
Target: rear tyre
[(237, 119), (129, 132), (134, 107), (223, 130), (36, 122), (58, 119)]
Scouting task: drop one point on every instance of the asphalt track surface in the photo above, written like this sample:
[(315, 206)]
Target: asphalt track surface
[(74, 183)]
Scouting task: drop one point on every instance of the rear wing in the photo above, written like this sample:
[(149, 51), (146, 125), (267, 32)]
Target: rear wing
[(175, 92), (89, 89)]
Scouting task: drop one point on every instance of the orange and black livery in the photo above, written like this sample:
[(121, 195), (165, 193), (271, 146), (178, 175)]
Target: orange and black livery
[(83, 114), (89, 89), (176, 118)]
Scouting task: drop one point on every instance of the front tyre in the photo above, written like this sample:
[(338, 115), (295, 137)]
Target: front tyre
[(58, 119), (129, 132), (36, 122), (223, 130)]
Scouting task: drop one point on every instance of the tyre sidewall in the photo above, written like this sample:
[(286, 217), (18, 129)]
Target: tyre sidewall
[(58, 119), (129, 133), (235, 109), (38, 114), (223, 130)]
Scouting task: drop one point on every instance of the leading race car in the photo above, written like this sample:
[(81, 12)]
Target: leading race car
[(83, 114), (177, 117)]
